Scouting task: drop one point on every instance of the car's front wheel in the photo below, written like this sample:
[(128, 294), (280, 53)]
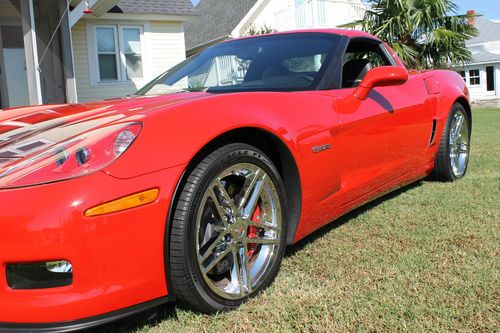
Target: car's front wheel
[(228, 231)]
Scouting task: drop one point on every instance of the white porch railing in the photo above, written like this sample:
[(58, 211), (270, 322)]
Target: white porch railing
[(323, 14)]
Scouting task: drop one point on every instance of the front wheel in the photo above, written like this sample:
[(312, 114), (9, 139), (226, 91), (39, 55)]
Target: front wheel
[(453, 155), (228, 231)]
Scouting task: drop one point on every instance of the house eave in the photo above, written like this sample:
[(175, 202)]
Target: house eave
[(98, 8), (143, 17), (479, 63)]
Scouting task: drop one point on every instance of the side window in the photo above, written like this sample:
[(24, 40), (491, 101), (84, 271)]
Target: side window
[(360, 57), (374, 57)]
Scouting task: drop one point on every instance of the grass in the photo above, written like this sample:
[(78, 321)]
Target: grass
[(422, 259)]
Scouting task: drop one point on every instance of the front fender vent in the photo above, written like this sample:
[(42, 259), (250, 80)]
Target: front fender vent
[(433, 132)]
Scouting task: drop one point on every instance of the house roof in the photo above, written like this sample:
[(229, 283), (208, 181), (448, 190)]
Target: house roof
[(162, 7), (488, 31), (485, 57), (216, 19)]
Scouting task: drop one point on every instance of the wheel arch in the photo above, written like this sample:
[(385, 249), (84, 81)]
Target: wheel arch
[(463, 101), (280, 155), (452, 90), (275, 149)]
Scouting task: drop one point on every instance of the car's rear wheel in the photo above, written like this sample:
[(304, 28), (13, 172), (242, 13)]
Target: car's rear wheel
[(453, 155), (228, 231)]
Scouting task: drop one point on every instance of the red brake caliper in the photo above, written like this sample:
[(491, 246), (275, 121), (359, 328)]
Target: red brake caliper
[(252, 231)]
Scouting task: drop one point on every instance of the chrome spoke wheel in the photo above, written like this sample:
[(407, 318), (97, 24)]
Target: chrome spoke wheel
[(238, 231), (459, 144)]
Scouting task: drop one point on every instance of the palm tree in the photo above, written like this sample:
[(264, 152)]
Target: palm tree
[(425, 33)]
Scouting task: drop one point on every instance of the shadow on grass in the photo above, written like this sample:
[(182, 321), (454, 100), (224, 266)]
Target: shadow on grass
[(168, 311), (320, 233), (148, 318)]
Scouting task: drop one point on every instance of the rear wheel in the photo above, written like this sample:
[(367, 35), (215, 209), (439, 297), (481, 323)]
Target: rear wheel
[(453, 154), (227, 238)]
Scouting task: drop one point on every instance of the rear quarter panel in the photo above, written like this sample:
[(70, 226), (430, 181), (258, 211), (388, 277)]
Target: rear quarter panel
[(445, 88)]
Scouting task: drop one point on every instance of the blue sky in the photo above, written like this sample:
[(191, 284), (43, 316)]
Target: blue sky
[(489, 8)]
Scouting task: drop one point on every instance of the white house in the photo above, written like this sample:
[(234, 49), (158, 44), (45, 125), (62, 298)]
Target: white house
[(482, 75), (58, 51), (219, 20)]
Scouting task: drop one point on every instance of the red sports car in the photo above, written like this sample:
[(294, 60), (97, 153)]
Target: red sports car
[(191, 188)]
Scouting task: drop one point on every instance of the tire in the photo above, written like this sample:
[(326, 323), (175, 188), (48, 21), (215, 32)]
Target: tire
[(452, 158), (228, 225)]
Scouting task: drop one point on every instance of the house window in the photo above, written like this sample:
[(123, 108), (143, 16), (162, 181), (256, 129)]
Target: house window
[(474, 78), (131, 38), (107, 54), (119, 53), (462, 74)]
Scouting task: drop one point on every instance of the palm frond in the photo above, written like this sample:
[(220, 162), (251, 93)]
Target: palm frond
[(424, 33)]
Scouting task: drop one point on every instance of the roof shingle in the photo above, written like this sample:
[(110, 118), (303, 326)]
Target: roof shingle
[(488, 31), (165, 7), (485, 57), (217, 19)]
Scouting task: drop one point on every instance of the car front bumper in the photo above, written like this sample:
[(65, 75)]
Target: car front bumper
[(117, 259)]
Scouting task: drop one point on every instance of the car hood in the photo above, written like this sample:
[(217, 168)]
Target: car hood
[(28, 130)]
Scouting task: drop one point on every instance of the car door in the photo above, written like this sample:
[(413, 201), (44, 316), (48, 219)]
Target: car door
[(385, 136)]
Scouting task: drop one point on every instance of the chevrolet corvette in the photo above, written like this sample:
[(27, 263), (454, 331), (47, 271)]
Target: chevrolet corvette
[(191, 188)]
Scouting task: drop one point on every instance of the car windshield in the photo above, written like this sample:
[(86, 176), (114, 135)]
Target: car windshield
[(282, 62)]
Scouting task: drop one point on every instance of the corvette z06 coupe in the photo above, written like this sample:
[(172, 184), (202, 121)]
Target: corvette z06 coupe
[(191, 188)]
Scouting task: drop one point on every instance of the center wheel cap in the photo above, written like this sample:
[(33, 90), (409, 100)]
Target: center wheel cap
[(238, 233)]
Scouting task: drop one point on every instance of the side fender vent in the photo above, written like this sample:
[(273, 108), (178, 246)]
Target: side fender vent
[(433, 132)]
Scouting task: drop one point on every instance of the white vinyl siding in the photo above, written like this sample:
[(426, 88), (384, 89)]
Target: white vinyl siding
[(162, 47), (168, 45)]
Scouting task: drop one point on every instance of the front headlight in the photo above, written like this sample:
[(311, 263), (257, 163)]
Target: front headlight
[(75, 157)]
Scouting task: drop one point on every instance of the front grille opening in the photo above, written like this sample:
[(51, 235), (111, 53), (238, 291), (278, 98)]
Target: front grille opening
[(39, 275)]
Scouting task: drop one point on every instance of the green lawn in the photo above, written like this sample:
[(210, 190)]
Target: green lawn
[(422, 259)]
